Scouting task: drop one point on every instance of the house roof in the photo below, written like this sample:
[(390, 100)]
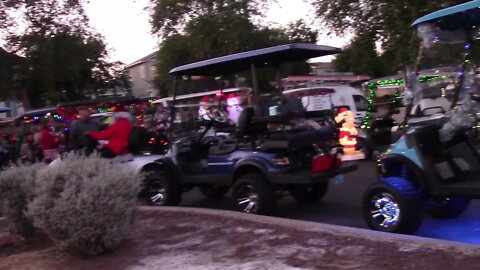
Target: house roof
[(142, 60)]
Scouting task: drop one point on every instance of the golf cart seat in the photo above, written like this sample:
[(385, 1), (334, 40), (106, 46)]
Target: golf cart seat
[(270, 111), (430, 106), (432, 103)]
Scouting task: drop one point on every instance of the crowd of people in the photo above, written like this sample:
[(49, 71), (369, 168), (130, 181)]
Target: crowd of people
[(47, 139)]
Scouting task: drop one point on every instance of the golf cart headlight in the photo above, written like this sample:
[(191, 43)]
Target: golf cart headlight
[(281, 161)]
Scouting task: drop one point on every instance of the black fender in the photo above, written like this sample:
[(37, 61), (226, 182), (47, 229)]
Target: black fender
[(250, 163), (391, 165), (163, 164)]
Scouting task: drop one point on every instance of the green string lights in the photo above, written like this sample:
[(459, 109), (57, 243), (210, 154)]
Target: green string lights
[(372, 88)]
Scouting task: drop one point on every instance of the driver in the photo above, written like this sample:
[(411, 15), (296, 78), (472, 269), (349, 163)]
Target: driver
[(117, 135)]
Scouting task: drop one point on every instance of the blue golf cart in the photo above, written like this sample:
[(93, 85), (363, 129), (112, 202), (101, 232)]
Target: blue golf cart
[(433, 167), (272, 152)]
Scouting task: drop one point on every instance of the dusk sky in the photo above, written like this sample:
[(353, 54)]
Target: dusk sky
[(127, 30)]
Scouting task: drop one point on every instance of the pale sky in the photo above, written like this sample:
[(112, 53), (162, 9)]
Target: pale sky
[(127, 30)]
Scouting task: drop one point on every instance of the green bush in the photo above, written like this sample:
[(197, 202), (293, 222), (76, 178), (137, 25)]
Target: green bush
[(17, 185), (85, 204)]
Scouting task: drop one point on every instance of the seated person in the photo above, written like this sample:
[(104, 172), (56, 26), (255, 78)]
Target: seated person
[(117, 135)]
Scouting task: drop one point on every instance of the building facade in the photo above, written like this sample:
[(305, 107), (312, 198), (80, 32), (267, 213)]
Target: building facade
[(142, 74)]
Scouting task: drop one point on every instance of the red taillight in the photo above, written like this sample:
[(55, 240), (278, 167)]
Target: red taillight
[(323, 163)]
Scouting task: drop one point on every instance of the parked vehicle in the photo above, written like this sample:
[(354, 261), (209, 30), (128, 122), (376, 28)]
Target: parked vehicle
[(273, 151), (433, 167)]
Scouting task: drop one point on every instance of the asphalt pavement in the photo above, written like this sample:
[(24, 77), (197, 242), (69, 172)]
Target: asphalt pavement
[(342, 206)]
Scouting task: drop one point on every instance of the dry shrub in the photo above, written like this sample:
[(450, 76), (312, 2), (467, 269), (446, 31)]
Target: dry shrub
[(85, 204), (17, 185)]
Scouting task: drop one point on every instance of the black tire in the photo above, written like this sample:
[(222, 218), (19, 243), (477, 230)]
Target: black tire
[(162, 190), (366, 148), (309, 194), (445, 208), (253, 194), (393, 205), (214, 192)]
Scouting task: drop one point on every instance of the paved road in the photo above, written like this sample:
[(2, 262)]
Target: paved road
[(341, 206)]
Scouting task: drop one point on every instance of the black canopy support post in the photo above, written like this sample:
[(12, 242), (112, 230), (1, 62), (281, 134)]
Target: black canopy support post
[(172, 109), (254, 82), (278, 78)]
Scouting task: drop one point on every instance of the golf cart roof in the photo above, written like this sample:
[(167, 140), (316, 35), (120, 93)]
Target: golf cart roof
[(86, 102), (271, 56), (464, 15), (39, 112), (201, 94)]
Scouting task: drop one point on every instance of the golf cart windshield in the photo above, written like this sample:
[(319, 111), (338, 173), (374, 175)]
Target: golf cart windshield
[(449, 36)]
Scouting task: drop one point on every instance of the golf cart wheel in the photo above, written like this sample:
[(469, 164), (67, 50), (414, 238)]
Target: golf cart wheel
[(214, 192), (309, 194), (393, 205), (447, 207), (162, 189), (252, 194), (365, 148)]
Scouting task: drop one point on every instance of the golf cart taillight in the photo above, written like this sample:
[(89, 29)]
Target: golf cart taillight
[(281, 161), (325, 162)]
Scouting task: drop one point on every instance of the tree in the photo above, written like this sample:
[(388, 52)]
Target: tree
[(63, 58), (215, 28), (170, 17), (360, 57), (384, 22)]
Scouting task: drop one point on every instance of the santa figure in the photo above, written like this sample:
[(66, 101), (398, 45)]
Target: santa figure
[(348, 132)]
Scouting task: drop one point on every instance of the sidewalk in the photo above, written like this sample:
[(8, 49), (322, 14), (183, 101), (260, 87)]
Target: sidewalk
[(194, 239)]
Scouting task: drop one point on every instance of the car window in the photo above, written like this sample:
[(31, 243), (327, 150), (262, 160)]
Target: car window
[(361, 103)]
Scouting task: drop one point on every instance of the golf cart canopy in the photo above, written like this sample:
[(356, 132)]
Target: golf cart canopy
[(271, 56), (466, 15), (4, 109)]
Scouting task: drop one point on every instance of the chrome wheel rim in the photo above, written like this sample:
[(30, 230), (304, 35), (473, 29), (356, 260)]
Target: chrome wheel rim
[(248, 199), (385, 210), (157, 193)]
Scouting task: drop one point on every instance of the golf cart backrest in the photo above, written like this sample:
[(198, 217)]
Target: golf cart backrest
[(433, 102), (280, 110)]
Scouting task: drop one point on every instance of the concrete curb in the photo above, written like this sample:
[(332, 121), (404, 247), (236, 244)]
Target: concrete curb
[(343, 231)]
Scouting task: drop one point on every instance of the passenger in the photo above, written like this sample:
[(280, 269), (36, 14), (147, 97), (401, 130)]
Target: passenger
[(116, 135), (48, 142), (78, 140)]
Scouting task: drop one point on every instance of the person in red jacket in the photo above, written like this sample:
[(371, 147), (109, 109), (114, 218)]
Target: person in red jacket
[(48, 142), (117, 135)]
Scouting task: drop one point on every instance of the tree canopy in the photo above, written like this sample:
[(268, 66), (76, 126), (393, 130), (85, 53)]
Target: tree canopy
[(376, 22), (62, 57), (205, 29)]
